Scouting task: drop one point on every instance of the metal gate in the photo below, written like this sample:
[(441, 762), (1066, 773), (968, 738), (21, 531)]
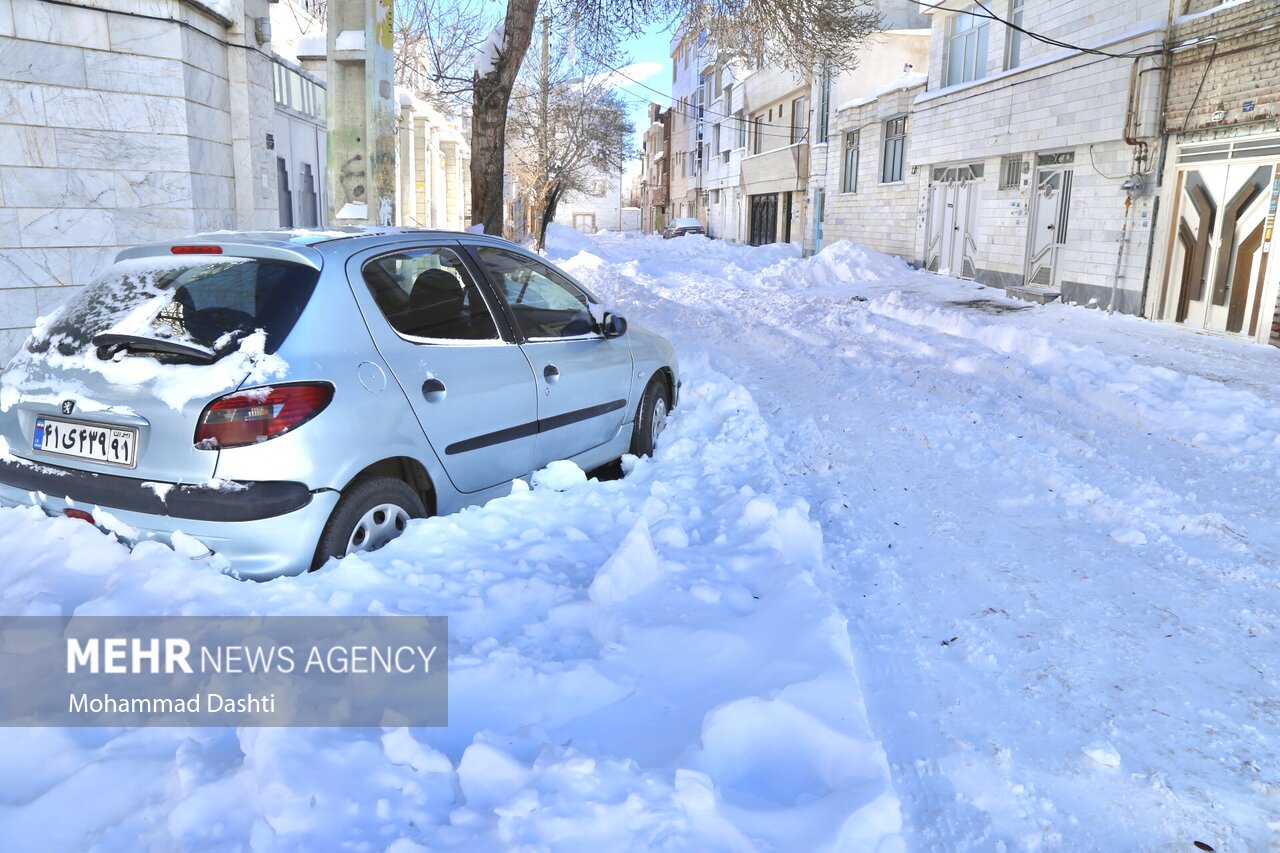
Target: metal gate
[(764, 219), (1050, 216), (951, 248)]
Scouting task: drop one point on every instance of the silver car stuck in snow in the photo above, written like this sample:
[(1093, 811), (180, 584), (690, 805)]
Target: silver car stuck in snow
[(280, 398)]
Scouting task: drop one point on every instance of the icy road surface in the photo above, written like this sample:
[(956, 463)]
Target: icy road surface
[(916, 567)]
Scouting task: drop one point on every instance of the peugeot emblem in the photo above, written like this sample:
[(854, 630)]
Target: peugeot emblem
[(68, 406)]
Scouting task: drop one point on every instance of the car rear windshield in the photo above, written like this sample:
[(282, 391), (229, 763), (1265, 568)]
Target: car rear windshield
[(208, 303)]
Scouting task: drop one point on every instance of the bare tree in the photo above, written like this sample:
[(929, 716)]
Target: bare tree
[(800, 34), (435, 42), (566, 128)]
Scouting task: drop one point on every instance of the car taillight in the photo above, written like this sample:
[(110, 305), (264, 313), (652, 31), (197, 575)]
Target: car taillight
[(250, 417)]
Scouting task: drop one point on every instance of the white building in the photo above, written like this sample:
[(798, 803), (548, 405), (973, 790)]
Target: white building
[(597, 208), (1032, 150), (860, 186)]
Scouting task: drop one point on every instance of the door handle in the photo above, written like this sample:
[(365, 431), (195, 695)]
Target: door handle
[(551, 373), (433, 390)]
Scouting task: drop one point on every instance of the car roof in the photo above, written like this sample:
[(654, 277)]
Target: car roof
[(684, 222), (300, 244)]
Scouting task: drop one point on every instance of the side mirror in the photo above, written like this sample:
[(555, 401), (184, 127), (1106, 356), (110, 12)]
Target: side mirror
[(615, 325)]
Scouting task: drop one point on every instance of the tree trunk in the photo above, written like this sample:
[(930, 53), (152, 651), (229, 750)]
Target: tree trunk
[(550, 201), (492, 94)]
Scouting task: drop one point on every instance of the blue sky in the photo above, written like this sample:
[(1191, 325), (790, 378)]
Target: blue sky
[(650, 65)]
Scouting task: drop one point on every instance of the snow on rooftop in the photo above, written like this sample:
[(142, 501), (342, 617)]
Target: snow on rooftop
[(904, 81)]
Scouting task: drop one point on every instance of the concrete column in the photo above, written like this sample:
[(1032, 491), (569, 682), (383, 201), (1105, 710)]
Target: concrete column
[(362, 116)]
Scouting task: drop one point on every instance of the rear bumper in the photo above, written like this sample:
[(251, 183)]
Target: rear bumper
[(222, 501), (265, 529)]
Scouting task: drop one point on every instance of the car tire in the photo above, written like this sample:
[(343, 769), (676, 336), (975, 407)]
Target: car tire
[(651, 417), (370, 513)]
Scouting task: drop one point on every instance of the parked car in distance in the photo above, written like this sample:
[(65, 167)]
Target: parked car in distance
[(281, 398), (680, 227)]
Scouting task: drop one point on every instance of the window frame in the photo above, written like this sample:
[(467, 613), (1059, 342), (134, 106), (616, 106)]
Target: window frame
[(475, 279), (551, 274), (975, 34), (824, 106), (1013, 38), (799, 119), (893, 138), (849, 166)]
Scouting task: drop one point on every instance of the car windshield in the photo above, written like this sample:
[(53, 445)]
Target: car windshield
[(190, 304)]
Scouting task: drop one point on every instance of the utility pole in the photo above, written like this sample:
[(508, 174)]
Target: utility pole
[(361, 162)]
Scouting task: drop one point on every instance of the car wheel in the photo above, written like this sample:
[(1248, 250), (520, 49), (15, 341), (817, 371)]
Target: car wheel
[(651, 417), (369, 514)]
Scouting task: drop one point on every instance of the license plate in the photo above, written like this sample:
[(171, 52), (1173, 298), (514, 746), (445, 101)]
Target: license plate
[(112, 445)]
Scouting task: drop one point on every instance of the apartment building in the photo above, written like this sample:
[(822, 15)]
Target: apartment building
[(860, 185), (1038, 156), (690, 55), (654, 178), (1221, 182)]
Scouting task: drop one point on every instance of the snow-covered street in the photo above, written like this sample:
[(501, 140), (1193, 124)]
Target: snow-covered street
[(915, 567)]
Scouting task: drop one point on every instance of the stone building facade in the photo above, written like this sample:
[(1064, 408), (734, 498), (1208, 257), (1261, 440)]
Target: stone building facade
[(123, 122), (1038, 157), (1213, 267), (654, 177), (852, 195)]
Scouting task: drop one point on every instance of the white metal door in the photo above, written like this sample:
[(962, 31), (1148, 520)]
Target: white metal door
[(951, 245), (1049, 214)]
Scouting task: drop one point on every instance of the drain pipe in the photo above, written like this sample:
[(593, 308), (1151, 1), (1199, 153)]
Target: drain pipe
[(1166, 58), (1124, 239)]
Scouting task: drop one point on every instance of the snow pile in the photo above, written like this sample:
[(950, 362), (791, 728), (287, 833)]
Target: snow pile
[(638, 663), (1052, 531)]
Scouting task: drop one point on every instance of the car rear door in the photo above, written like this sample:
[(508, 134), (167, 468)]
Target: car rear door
[(583, 378), (472, 392)]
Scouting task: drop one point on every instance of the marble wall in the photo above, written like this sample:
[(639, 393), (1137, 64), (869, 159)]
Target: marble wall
[(123, 122)]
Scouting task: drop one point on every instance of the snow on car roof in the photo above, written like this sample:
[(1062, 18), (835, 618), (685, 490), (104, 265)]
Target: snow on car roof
[(684, 222)]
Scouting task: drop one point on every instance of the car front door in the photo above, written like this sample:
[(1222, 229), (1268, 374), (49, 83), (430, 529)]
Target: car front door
[(583, 377), (472, 392)]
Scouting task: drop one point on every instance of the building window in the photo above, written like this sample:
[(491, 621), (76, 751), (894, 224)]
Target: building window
[(799, 119), (966, 48), (1010, 172), (895, 146), (285, 200), (849, 183), (742, 129), (824, 105), (715, 137), (308, 203), (757, 137), (1013, 36)]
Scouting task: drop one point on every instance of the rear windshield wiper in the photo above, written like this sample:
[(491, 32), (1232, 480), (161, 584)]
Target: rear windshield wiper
[(108, 343)]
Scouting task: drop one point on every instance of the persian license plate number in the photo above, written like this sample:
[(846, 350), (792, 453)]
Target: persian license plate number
[(112, 445)]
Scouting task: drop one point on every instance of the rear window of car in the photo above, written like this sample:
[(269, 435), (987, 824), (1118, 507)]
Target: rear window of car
[(206, 302)]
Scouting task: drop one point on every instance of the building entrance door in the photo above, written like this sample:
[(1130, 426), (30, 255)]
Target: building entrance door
[(952, 223), (1050, 209), (764, 219), (1222, 230)]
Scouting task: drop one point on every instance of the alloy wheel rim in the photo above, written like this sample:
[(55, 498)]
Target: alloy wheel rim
[(377, 527), (659, 421)]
